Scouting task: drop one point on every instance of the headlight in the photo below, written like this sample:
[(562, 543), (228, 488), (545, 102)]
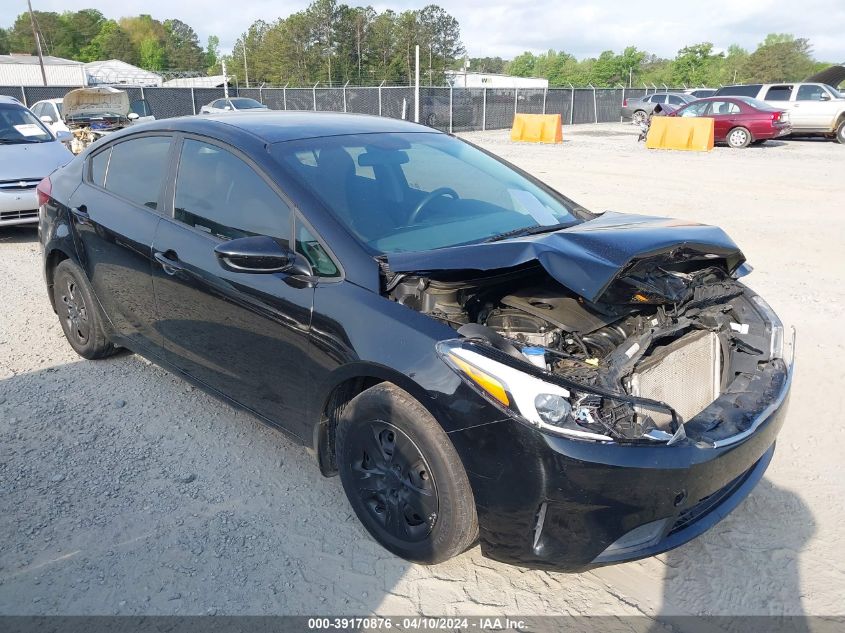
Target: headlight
[(774, 326), (539, 403)]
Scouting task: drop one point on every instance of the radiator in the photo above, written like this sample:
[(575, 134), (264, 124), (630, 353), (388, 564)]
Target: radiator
[(686, 375)]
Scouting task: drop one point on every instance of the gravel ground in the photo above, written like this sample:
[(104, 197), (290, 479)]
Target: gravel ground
[(125, 491)]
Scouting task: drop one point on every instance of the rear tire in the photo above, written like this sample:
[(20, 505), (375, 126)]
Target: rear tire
[(79, 314), (840, 132), (739, 137), (403, 477)]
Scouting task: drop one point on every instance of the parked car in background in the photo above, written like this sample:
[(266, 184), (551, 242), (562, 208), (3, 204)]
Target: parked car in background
[(480, 359), (739, 121), (28, 153), (814, 109), (50, 113), (700, 93), (91, 113), (639, 108), (435, 110), (231, 104)]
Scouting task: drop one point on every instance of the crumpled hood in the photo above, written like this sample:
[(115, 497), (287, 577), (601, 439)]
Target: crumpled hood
[(95, 101), (586, 257)]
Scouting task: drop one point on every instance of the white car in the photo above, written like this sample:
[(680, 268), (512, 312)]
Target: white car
[(50, 113), (231, 104), (814, 108), (28, 153)]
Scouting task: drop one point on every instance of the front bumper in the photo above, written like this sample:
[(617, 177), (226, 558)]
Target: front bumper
[(554, 503), (18, 206)]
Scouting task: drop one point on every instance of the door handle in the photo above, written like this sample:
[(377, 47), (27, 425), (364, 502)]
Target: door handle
[(81, 214), (169, 262)]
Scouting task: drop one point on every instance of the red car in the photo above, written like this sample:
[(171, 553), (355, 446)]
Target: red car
[(739, 121)]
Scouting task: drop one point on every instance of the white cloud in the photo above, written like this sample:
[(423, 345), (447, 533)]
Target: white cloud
[(495, 27)]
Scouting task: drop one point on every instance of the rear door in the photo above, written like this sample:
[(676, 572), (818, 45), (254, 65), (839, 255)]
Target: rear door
[(725, 115), (114, 214), (243, 334)]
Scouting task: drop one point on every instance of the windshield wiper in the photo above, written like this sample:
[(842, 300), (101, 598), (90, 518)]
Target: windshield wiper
[(528, 230), (16, 141)]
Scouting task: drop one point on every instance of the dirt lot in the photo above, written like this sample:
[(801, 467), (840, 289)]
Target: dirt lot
[(125, 491)]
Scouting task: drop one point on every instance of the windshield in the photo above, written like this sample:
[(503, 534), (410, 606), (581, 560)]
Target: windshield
[(419, 191), (19, 125), (243, 103)]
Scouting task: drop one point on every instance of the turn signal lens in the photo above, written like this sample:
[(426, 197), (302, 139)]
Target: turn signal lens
[(483, 380)]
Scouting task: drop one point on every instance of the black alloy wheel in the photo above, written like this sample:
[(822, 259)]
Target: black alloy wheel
[(74, 311), (394, 480), (80, 316)]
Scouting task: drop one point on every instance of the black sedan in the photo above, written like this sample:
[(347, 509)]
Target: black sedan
[(478, 357)]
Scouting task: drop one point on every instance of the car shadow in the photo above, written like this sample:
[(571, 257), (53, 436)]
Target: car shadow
[(18, 234), (137, 494), (747, 565)]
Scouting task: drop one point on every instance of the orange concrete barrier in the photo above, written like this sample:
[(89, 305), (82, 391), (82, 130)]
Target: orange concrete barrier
[(685, 133), (537, 128)]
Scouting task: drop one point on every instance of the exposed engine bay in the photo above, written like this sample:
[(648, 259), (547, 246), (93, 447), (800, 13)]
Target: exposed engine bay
[(669, 341)]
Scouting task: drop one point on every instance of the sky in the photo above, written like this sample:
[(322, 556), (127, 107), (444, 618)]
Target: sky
[(583, 28)]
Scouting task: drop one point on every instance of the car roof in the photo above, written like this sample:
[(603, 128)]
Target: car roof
[(273, 126), (11, 100)]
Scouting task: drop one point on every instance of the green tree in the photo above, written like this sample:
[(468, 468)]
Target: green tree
[(181, 46), (4, 41), (112, 42), (781, 57), (212, 52), (696, 65)]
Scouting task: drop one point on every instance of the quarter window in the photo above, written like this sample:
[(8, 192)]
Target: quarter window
[(658, 99), (220, 194), (310, 247), (99, 166), (136, 169)]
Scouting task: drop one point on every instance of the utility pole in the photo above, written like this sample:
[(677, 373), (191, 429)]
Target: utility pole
[(37, 42), (246, 74)]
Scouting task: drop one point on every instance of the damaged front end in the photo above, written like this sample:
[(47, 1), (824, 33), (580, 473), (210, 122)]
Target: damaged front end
[(669, 348)]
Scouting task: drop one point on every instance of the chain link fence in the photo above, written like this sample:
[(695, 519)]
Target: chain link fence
[(445, 108)]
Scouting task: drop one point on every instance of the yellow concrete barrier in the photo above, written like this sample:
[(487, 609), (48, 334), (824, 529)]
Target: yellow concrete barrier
[(536, 128), (686, 133)]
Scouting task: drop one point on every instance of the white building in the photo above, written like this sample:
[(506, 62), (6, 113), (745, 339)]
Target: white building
[(24, 70), (114, 72), (461, 79), (215, 81)]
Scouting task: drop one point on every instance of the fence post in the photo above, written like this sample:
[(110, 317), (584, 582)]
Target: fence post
[(261, 93), (344, 95), (193, 101), (23, 96), (515, 100), (314, 95), (571, 104), (450, 109), (545, 92), (285, 96), (623, 102), (595, 104), (379, 101), (483, 109)]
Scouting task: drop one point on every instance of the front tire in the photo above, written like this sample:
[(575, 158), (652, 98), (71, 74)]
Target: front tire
[(80, 316), (403, 478), (739, 137), (840, 132)]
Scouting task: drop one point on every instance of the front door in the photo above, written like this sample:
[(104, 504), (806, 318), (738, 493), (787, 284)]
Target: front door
[(114, 214), (242, 334), (724, 115), (811, 108)]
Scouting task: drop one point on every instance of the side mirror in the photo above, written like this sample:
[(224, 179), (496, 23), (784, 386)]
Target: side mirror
[(64, 136), (227, 107), (824, 96), (258, 254), (46, 119), (133, 116)]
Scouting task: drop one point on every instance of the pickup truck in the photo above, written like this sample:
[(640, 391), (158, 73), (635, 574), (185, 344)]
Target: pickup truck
[(814, 108)]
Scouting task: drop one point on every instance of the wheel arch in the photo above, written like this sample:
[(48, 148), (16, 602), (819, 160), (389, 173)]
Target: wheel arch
[(338, 390), (52, 258)]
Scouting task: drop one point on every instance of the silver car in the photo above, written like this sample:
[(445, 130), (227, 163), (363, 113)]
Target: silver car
[(231, 104), (638, 109), (28, 153)]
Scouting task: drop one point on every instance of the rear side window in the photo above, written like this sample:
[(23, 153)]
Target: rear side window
[(751, 90), (723, 107), (778, 93), (99, 167), (676, 100), (658, 99), (136, 169), (220, 194), (810, 93)]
